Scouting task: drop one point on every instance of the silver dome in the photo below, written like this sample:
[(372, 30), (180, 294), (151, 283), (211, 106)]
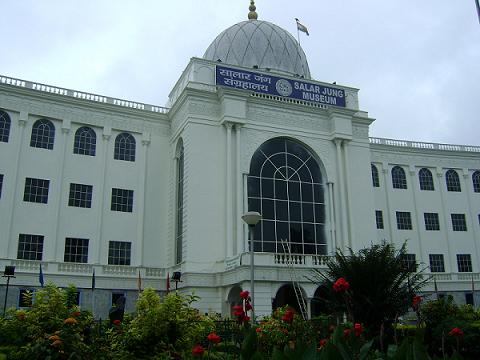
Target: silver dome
[(259, 43)]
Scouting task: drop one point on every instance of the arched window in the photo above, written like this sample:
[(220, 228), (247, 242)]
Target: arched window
[(124, 147), (426, 179), (476, 181), (285, 186), (375, 179), (452, 180), (4, 126), (179, 217), (43, 134), (399, 180), (85, 141)]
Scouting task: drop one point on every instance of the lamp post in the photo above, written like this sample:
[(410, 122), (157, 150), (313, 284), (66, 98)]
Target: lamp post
[(8, 273), (251, 218)]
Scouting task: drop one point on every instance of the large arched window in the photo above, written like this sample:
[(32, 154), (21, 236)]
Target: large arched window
[(452, 180), (285, 186), (124, 147), (476, 181), (426, 179), (43, 134), (399, 180), (85, 141), (4, 126), (375, 178), (179, 214)]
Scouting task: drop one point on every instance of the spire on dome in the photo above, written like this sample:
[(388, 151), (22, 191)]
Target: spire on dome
[(252, 15)]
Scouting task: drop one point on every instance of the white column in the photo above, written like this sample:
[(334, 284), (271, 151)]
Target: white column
[(389, 216), (16, 197), (331, 208), (347, 194), (471, 222), (341, 194), (418, 214), (228, 195), (103, 196), (140, 196), (238, 192), (446, 219), (60, 242)]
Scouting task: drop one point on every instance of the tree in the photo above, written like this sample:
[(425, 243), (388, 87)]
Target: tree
[(380, 286)]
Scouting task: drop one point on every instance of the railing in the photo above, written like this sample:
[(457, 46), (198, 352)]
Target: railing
[(423, 145), (81, 95)]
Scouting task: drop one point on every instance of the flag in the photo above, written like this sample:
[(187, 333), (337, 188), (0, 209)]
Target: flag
[(168, 283), (40, 276), (93, 280), (435, 286), (139, 281), (478, 9), (302, 27), (473, 286)]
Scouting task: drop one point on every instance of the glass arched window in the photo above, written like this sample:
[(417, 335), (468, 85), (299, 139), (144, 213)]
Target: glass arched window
[(375, 178), (399, 180), (85, 141), (285, 186), (476, 181), (452, 180), (426, 179), (125, 147), (4, 126), (179, 215), (43, 134)]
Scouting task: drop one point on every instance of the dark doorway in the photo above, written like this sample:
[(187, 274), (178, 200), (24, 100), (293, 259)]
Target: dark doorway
[(286, 296), (318, 303)]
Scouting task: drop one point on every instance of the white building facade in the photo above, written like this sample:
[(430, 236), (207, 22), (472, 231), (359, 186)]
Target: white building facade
[(129, 191)]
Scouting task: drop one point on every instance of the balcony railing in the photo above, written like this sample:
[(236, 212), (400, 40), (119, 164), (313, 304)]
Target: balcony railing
[(424, 145)]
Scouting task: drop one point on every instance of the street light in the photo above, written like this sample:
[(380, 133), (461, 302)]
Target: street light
[(251, 218), (8, 273)]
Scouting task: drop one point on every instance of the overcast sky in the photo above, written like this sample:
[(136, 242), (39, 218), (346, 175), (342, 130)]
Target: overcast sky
[(416, 62)]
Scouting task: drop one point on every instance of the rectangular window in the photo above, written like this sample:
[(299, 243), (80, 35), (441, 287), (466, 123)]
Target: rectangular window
[(76, 250), (119, 253), (122, 200), (431, 221), (30, 247), (36, 190), (1, 185), (117, 298), (404, 220), (25, 298), (464, 263), (436, 263), (80, 195), (459, 222), (379, 219), (469, 299), (409, 262)]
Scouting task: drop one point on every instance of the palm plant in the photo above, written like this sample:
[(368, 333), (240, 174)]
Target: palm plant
[(381, 287)]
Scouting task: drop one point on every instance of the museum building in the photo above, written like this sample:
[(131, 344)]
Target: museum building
[(135, 193)]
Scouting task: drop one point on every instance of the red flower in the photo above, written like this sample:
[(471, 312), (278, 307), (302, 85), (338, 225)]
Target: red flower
[(341, 285), (248, 306), (416, 302), (246, 318), (288, 316), (198, 350), (358, 329), (244, 294), (117, 322), (70, 321), (456, 332), (258, 330), (214, 338), (346, 333), (76, 313), (323, 342)]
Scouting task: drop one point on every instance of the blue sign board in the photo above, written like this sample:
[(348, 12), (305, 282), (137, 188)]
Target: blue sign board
[(273, 85)]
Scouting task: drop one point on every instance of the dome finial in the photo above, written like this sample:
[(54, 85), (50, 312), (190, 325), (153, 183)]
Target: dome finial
[(252, 15)]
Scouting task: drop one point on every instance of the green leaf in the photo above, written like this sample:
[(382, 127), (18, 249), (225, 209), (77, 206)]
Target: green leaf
[(365, 349), (330, 352)]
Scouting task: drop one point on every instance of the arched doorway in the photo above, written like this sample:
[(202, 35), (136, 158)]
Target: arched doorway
[(318, 304), (233, 298), (286, 296)]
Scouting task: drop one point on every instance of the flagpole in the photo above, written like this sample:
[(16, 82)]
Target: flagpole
[(298, 35)]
